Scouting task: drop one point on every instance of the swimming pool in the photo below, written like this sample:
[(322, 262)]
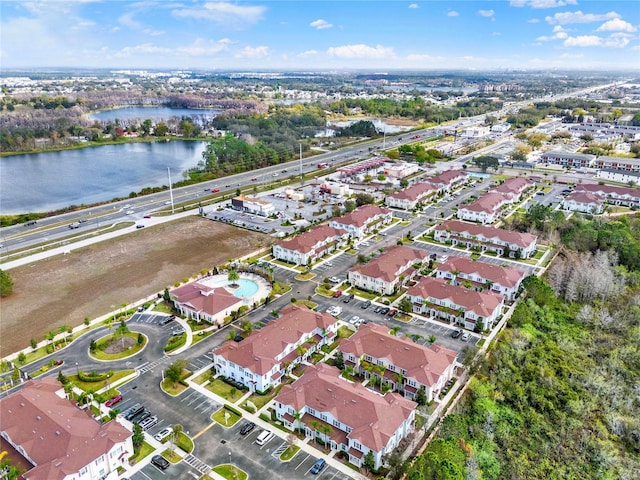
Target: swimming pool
[(247, 288)]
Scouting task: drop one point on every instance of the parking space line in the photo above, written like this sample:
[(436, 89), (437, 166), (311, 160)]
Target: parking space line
[(203, 430), (305, 459)]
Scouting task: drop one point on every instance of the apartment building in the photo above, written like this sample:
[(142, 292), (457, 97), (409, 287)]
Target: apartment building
[(310, 246), (626, 196), (346, 416), (486, 209), (568, 159), (458, 305), (398, 362), (486, 238), (449, 180), (409, 198), (513, 188), (363, 220), (389, 271), (583, 202), (624, 164), (265, 356), (481, 276)]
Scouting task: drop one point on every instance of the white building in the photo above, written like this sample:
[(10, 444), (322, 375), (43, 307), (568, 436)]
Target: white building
[(265, 356), (310, 246), (346, 416), (486, 209), (583, 202), (252, 205), (409, 198), (449, 180), (614, 195), (363, 220), (60, 440), (400, 169)]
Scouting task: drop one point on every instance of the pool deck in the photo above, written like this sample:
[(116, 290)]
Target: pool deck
[(263, 287)]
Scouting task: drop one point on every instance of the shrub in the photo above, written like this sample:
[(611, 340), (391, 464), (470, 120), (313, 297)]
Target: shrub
[(232, 409)]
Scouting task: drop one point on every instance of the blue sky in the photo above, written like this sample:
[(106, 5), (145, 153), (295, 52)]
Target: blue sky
[(321, 35)]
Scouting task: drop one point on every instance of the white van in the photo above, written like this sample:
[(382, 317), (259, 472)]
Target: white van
[(264, 437)]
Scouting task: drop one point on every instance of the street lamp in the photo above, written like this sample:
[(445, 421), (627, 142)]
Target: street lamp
[(77, 370)]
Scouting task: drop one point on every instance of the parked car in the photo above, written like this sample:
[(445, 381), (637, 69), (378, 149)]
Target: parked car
[(337, 294), (177, 331), (113, 400), (393, 312), (141, 416), (334, 280), (133, 411), (384, 310), (456, 333), (148, 422), (348, 298), (163, 434), (166, 320), (264, 437), (466, 336), (354, 319), (318, 466), (366, 305), (377, 309), (247, 427), (160, 462)]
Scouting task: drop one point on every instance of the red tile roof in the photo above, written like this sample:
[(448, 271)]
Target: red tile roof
[(481, 303), (258, 351), (414, 192), (306, 241), (361, 216), (513, 186), (488, 203), (609, 190), (59, 437), (447, 177), (386, 265), (511, 237), (203, 298), (426, 365), (584, 197), (505, 276), (373, 418)]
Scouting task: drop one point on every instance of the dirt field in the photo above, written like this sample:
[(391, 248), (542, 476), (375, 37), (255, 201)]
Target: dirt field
[(95, 280)]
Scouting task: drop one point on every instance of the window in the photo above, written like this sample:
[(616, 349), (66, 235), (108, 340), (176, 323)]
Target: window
[(323, 417), (336, 423)]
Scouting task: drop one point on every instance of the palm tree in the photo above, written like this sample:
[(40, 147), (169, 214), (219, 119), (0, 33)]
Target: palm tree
[(297, 416), (177, 430), (233, 277)]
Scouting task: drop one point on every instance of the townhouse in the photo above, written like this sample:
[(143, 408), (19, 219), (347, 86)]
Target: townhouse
[(310, 246), (449, 180), (363, 220), (261, 360), (583, 202), (567, 159), (629, 197), (481, 276), (205, 303), (409, 198), (513, 188), (458, 305), (389, 271), (345, 416), (624, 164), (486, 209), (398, 362), (486, 238), (60, 440)]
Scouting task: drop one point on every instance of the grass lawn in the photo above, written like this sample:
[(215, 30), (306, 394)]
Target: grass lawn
[(162, 307), (289, 453), (324, 290), (203, 377), (345, 332), (280, 288), (261, 400), (171, 389), (175, 342), (352, 251), (200, 336), (305, 277), (220, 415), (393, 298), (311, 305), (230, 472), (135, 348), (184, 442), (172, 456), (362, 294), (95, 386), (144, 450), (224, 390)]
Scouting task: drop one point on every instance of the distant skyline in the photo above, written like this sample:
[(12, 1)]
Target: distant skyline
[(321, 35)]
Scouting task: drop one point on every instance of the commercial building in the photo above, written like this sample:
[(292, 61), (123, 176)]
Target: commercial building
[(481, 276), (409, 198), (387, 272), (310, 246), (486, 238), (346, 416), (60, 440), (398, 362), (265, 356), (205, 303), (458, 305), (252, 205), (400, 169), (363, 220)]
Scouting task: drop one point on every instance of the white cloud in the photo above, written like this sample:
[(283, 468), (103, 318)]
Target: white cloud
[(128, 21), (199, 48), (361, 51), (533, 20), (583, 41), (452, 13), (414, 5), (487, 13), (616, 25), (223, 13), (559, 33), (253, 52), (542, 3), (320, 24), (308, 53), (579, 17)]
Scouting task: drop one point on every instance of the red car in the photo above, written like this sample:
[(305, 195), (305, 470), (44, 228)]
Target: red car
[(215, 190), (393, 312), (113, 400), (337, 293), (147, 216)]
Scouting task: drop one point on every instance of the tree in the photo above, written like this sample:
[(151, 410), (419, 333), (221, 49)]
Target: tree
[(166, 295), (364, 199), (397, 466), (369, 462), (177, 430), (421, 396), (485, 162), (138, 435), (404, 183), (6, 284), (233, 277), (405, 305), (161, 129), (34, 344), (338, 360), (173, 373)]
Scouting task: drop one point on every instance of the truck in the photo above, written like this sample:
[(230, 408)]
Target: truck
[(323, 165)]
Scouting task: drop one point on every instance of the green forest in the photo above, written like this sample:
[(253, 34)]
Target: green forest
[(559, 395)]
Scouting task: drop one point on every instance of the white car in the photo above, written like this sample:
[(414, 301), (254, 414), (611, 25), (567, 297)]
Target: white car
[(163, 434), (129, 212), (353, 320)]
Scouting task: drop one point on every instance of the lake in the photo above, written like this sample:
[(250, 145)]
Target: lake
[(49, 181), (157, 114)]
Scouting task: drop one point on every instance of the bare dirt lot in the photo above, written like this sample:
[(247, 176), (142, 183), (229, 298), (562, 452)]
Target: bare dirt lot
[(95, 280)]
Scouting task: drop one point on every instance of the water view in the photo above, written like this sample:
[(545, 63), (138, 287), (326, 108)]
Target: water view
[(51, 180), (157, 114)]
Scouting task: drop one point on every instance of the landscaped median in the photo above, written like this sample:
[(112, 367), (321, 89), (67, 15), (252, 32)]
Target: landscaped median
[(227, 416), (230, 472)]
